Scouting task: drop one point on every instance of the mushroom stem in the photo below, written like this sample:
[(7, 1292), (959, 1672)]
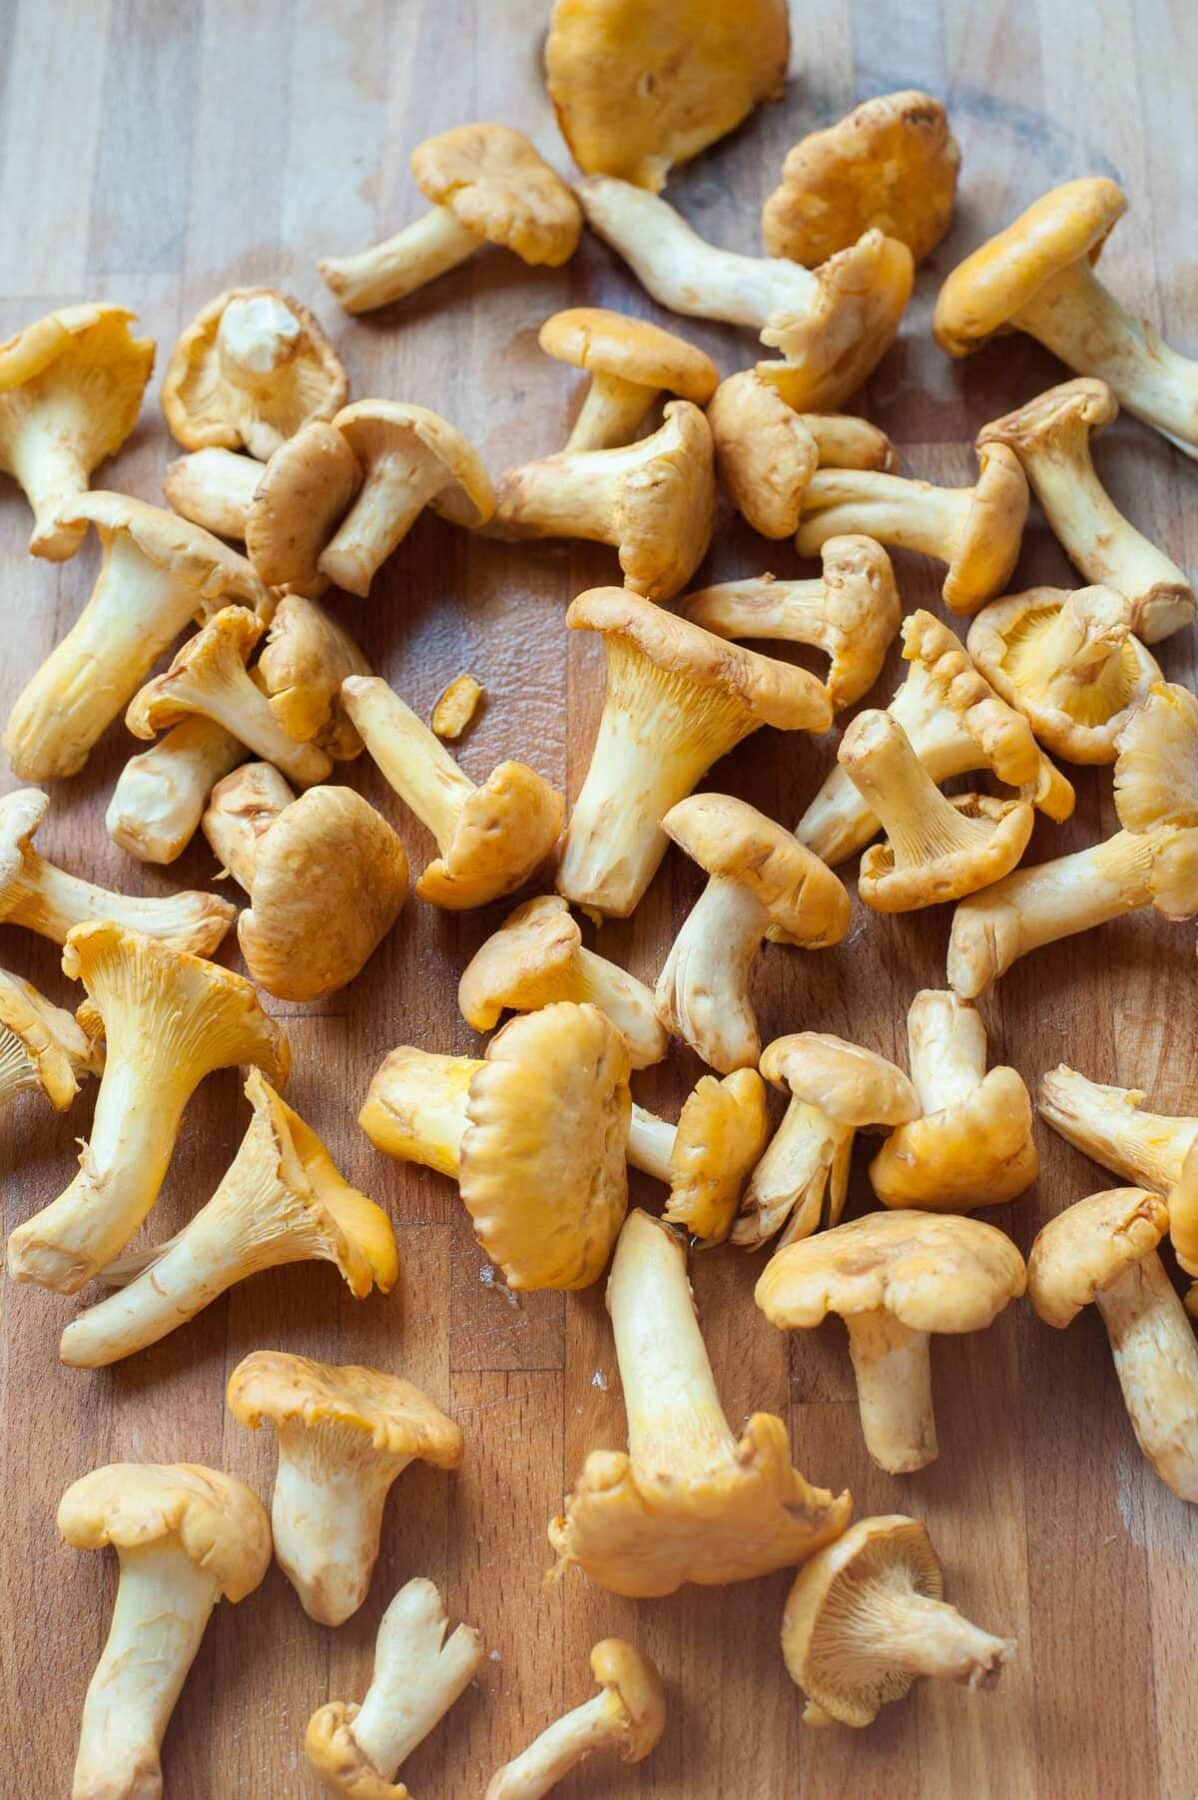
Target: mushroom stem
[(891, 509), (790, 611), (650, 1146), (946, 1043), (702, 993), (893, 1367), (560, 1748), (919, 822), (414, 762), (428, 247), (1156, 1360), (906, 1630), (417, 1678), (566, 495), (233, 829), (160, 795), (807, 1156), (416, 1107), (52, 474), (52, 902), (326, 1515), (213, 488), (398, 488), (609, 414)]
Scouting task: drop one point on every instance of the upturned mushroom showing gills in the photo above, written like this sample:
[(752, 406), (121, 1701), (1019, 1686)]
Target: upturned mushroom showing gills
[(706, 1158), (627, 1715), (677, 700), (759, 877), (157, 574), (972, 1145), (345, 1435), (867, 1617), (653, 500), (1038, 276), (1112, 1126), (299, 500), (491, 839), (1051, 438), (304, 661), (358, 1750), (70, 392), (160, 795), (213, 488), (487, 184), (836, 1089), (895, 1278), (536, 957), (629, 362), (43, 1049), (689, 1501), (185, 1537), (535, 1136), (1104, 1250), (168, 1020)]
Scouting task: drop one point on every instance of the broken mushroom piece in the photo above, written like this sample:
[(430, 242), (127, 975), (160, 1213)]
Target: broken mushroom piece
[(894, 1278), (677, 700), (653, 501), (707, 1157), (487, 185), (299, 500), (1104, 1249), (759, 877), (630, 362), (42, 1048), (70, 392), (345, 1435), (213, 488), (1111, 1125), (160, 795), (535, 1136), (358, 1750), (836, 1089), (454, 709), (628, 1715), (304, 661), (689, 1501), (490, 839), (867, 1617), (185, 1537)]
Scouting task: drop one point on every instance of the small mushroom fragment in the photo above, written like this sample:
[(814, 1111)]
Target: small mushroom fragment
[(299, 500), (759, 876), (490, 839), (456, 706), (628, 1715), (487, 185), (852, 613), (689, 1501), (158, 573), (185, 1537), (833, 325), (836, 1089), (630, 362), (304, 661), (42, 1048), (653, 500), (70, 392), (867, 1617), (535, 1136), (895, 1277), (973, 1144), (345, 1435), (934, 849), (213, 488), (1051, 438), (1110, 1125), (1037, 276), (168, 1020), (707, 1157), (250, 370), (418, 1675), (160, 795), (538, 957), (1104, 1250), (326, 875), (890, 165), (677, 700)]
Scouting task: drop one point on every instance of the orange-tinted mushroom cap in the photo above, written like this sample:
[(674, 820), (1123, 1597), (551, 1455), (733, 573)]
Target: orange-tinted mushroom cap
[(496, 184)]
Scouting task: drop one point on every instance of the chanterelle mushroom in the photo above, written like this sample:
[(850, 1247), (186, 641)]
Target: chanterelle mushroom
[(628, 1715), (653, 500), (168, 1020), (867, 1617), (536, 957), (157, 573), (70, 392), (836, 1089), (299, 500), (488, 185), (186, 1537), (42, 1048), (707, 1157), (890, 165), (250, 369), (1037, 276), (1111, 1125), (629, 362), (358, 1750), (759, 876), (160, 795), (213, 488), (1103, 1249), (306, 657), (689, 1501), (1183, 1225), (973, 1144), (895, 1277), (345, 1436), (677, 700), (490, 839), (535, 1136)]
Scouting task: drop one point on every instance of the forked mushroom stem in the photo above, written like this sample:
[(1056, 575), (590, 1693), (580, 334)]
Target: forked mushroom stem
[(396, 491), (610, 413), (560, 1748), (414, 762), (1156, 1360), (418, 1674), (893, 1366), (703, 990), (431, 245), (892, 509)]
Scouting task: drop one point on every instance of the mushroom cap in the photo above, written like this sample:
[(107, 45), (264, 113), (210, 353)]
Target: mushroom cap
[(602, 342), (855, 1087), (720, 1138), (1089, 1246), (889, 165), (543, 1172), (732, 841), (639, 85), (176, 546), (504, 832), (330, 880), (1156, 775), (1058, 413), (334, 1753), (57, 1046), (986, 291), (228, 636), (620, 1667), (931, 1271), (364, 1404), (988, 548), (305, 491), (959, 870), (764, 453), (495, 183), (834, 345), (306, 657), (519, 965), (979, 1152), (376, 429), (216, 1519), (667, 504)]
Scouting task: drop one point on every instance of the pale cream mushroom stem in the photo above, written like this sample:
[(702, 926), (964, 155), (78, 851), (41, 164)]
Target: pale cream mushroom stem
[(428, 247), (1156, 1360), (395, 493), (412, 758), (417, 1677)]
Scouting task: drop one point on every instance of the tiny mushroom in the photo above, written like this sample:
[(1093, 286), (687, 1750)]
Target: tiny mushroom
[(706, 1158), (160, 795), (895, 1277), (304, 661), (213, 488), (43, 1050), (627, 1715), (299, 500), (629, 362), (1111, 1125)]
